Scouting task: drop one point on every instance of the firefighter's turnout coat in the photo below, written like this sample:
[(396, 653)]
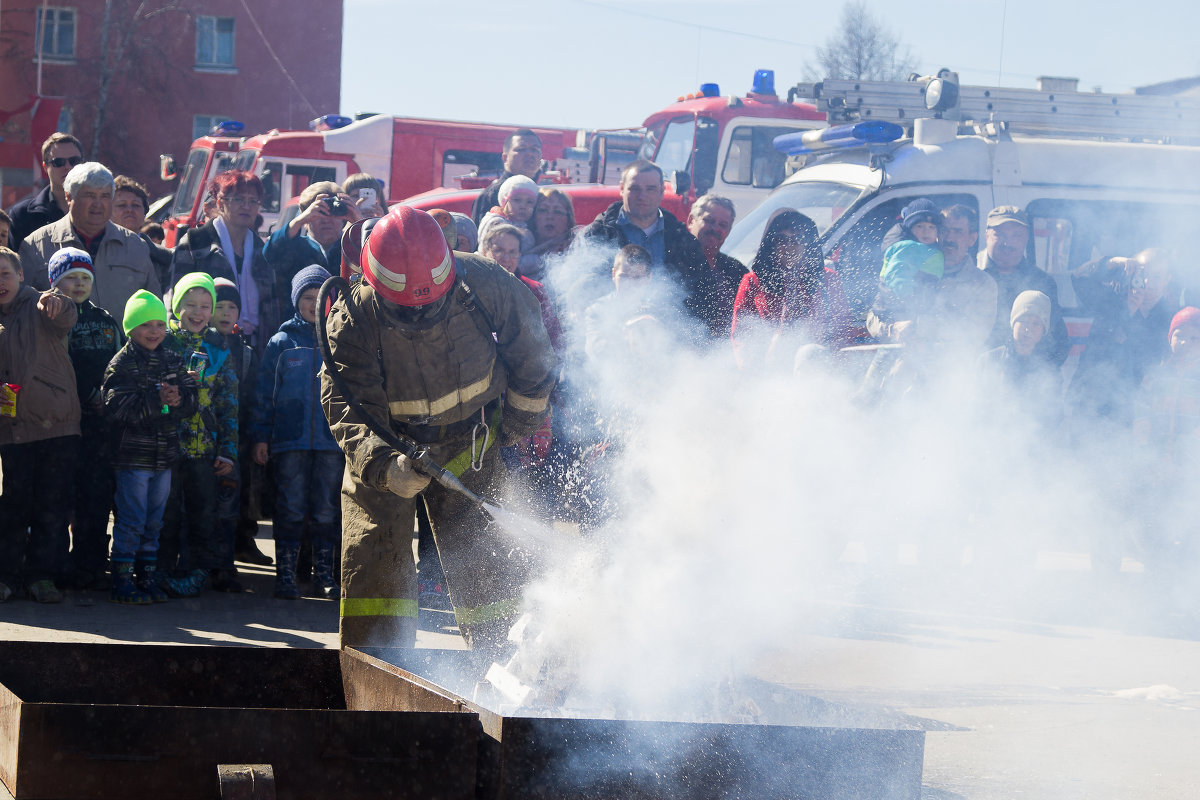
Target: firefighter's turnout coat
[(482, 356)]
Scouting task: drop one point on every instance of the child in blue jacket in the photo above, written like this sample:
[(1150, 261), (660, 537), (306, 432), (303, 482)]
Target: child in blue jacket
[(290, 429)]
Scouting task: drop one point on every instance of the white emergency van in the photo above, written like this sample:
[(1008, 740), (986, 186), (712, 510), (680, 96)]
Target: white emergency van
[(1097, 174)]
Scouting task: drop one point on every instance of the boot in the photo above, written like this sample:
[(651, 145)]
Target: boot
[(245, 549), (286, 555), (225, 580), (124, 588), (304, 562), (325, 563), (149, 580)]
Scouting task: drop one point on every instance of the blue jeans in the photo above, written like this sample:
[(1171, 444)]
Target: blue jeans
[(308, 483), (141, 499)]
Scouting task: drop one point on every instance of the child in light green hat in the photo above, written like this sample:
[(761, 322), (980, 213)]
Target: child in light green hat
[(209, 439)]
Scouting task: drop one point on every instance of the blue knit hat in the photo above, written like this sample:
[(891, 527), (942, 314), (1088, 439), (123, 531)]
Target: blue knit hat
[(306, 279), (920, 210), (69, 260)]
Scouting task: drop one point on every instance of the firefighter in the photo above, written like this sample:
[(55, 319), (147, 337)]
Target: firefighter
[(452, 352)]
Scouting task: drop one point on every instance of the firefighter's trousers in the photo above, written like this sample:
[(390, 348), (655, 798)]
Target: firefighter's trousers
[(484, 571)]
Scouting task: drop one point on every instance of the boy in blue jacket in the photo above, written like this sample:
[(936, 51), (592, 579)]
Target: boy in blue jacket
[(290, 429)]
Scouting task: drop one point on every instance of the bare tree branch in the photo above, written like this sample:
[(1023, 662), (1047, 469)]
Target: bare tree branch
[(862, 48)]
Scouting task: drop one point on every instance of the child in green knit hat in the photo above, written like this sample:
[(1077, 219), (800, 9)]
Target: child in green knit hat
[(146, 392), (209, 439)]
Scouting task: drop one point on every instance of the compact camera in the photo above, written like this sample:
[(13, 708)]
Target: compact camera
[(335, 206)]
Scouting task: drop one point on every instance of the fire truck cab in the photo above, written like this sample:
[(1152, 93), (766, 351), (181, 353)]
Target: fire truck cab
[(706, 142), (208, 156), (703, 142)]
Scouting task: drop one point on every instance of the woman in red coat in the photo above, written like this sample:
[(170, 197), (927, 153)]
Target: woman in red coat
[(789, 291)]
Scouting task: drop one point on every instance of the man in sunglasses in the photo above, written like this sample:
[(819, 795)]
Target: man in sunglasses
[(59, 153)]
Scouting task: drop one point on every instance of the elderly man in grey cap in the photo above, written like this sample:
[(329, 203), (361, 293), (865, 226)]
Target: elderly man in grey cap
[(120, 257), (1006, 259)]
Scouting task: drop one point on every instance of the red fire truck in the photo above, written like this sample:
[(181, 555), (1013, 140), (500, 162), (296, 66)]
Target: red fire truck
[(407, 155), (703, 142)]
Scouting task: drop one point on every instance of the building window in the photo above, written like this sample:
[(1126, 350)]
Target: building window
[(202, 124), (214, 42), (56, 32)]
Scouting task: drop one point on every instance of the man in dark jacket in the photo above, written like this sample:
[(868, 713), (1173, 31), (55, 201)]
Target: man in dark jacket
[(710, 221), (60, 153), (638, 219), (522, 155), (1006, 260)]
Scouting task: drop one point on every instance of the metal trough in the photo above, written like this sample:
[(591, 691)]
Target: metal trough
[(809, 748), (84, 721)]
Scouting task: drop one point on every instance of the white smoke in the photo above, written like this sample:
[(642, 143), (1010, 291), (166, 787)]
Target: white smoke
[(739, 491)]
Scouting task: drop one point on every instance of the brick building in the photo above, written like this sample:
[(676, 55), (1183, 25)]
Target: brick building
[(132, 80)]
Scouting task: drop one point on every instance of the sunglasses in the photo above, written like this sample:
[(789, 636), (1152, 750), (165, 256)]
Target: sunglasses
[(74, 161)]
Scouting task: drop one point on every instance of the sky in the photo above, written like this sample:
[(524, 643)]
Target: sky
[(610, 63)]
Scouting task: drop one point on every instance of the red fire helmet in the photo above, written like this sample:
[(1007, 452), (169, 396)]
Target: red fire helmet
[(406, 258)]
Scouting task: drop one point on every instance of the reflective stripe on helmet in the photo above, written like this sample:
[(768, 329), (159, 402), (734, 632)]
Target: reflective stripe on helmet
[(395, 281), (431, 408), (480, 614), (521, 402), (443, 270), (378, 607)]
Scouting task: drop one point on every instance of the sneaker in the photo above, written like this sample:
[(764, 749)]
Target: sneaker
[(44, 591), (5, 592), (189, 585)]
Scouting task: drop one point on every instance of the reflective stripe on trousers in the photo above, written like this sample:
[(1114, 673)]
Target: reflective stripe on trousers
[(501, 609), (378, 607)]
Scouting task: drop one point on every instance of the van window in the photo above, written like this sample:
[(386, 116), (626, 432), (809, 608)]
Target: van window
[(281, 183), (1069, 233), (752, 159), (858, 254), (457, 163)]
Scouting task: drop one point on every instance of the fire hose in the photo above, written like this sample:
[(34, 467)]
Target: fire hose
[(417, 454)]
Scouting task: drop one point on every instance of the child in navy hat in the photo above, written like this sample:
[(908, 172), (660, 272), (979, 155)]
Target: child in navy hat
[(93, 341), (291, 431)]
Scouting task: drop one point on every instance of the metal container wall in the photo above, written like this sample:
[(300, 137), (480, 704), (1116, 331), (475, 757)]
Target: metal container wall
[(809, 748), (91, 721)]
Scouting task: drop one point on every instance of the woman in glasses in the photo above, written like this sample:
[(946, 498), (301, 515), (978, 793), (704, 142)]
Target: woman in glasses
[(228, 247)]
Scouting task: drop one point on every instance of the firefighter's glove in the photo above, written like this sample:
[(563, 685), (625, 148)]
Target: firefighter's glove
[(402, 479)]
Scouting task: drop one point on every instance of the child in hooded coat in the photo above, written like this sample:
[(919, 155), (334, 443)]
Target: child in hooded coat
[(290, 430)]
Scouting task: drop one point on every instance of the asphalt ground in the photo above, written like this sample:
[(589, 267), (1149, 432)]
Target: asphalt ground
[(253, 618), (1077, 686)]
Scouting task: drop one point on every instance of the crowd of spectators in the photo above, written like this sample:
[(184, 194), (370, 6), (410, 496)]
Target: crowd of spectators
[(189, 375)]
